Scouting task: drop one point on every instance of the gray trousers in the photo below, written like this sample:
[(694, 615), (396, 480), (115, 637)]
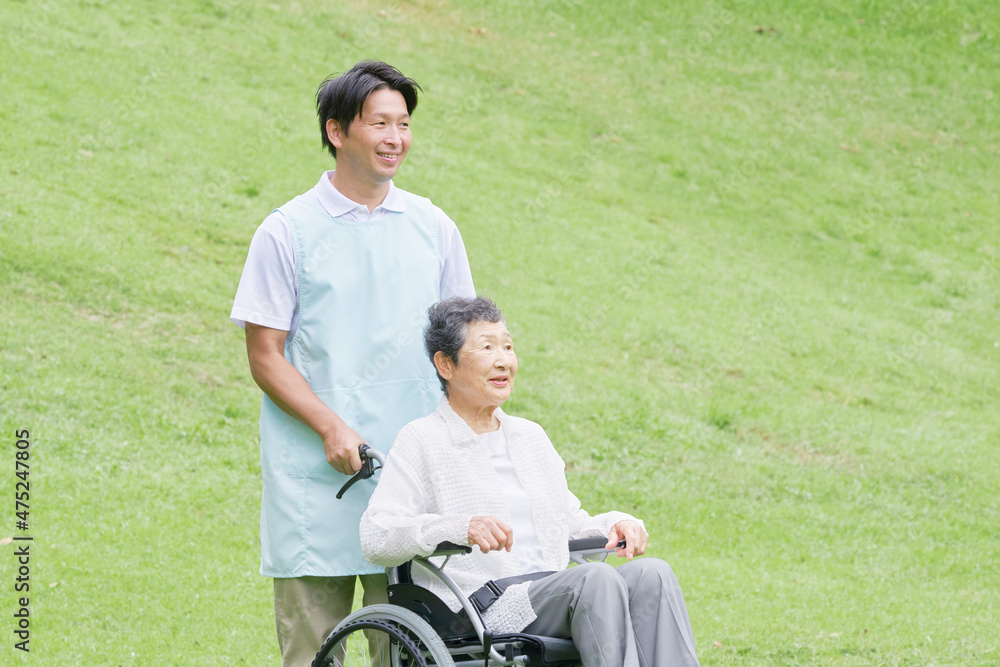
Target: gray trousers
[(629, 616)]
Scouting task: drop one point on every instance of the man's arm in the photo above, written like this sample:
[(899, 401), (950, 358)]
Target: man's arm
[(456, 277), (289, 390)]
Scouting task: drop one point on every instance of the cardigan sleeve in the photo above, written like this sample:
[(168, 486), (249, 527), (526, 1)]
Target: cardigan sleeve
[(582, 524), (579, 522), (398, 524)]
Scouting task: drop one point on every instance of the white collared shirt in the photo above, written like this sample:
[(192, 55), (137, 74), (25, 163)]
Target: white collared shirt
[(269, 287), (525, 537)]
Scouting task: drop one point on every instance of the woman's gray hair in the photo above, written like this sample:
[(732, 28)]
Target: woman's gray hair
[(448, 326)]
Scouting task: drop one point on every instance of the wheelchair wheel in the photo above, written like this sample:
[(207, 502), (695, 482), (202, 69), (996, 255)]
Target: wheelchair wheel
[(367, 636)]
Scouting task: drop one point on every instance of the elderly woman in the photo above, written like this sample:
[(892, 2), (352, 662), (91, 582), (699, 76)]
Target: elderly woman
[(471, 474)]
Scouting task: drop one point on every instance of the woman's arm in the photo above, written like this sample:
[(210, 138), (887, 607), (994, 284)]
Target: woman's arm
[(582, 524), (400, 522)]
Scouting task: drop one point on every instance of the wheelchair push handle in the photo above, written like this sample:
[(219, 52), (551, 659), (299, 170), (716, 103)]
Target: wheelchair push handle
[(371, 460)]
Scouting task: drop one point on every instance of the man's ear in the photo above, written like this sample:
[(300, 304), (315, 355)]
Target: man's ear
[(333, 132), (444, 365)]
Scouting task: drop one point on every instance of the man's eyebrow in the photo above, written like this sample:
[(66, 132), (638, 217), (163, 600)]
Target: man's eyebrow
[(385, 115)]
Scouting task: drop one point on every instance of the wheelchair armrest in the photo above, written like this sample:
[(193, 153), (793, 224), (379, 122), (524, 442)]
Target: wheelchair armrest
[(450, 549), (591, 544), (590, 548), (401, 574), (585, 545)]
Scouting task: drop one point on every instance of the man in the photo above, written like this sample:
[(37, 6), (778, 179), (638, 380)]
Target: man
[(333, 298)]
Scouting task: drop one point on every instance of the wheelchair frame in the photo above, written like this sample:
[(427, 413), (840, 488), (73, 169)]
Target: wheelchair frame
[(423, 619)]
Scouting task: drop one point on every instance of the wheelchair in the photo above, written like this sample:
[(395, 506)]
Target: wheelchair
[(417, 629)]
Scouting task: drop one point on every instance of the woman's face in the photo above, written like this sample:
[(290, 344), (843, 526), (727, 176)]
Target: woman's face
[(484, 376)]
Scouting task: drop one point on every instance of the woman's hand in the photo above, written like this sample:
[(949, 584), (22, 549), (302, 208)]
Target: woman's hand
[(490, 533), (635, 537)]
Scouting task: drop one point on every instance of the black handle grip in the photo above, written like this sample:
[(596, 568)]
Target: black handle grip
[(446, 548), (591, 544), (368, 468)]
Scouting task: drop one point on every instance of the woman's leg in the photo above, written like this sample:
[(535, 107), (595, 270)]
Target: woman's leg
[(659, 616), (590, 604)]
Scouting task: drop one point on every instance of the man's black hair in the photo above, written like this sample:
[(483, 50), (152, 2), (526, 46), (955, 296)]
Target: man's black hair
[(341, 98)]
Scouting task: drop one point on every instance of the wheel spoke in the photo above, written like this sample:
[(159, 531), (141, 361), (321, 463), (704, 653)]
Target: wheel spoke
[(384, 635), (372, 642)]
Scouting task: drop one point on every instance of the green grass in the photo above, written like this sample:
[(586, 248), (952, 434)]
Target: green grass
[(749, 253)]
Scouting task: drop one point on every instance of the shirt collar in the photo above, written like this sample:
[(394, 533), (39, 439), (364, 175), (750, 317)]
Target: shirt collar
[(336, 204), (394, 200)]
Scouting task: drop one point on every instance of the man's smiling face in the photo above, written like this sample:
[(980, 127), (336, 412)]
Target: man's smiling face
[(377, 140)]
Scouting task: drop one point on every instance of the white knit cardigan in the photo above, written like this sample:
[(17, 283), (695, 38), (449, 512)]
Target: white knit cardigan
[(437, 477)]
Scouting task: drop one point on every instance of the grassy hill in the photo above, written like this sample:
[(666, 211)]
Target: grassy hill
[(749, 253)]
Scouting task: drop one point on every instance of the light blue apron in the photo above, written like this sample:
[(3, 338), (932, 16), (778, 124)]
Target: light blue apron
[(364, 290)]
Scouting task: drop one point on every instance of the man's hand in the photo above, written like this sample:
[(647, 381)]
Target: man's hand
[(634, 535), (341, 447), (490, 533), (290, 392)]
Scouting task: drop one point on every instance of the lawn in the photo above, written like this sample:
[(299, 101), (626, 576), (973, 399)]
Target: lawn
[(749, 253)]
